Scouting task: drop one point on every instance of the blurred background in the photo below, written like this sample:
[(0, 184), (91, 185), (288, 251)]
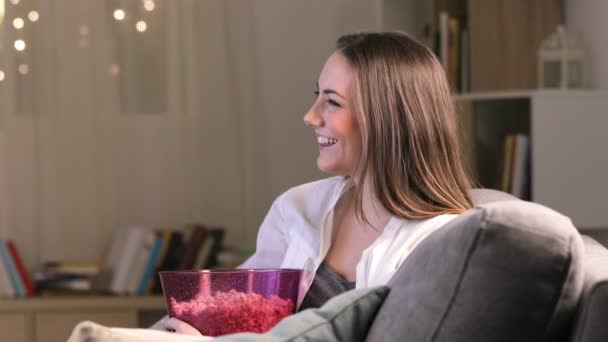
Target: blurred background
[(168, 114)]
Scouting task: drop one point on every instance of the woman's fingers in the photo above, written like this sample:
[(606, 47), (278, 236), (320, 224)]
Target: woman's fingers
[(161, 324), (180, 327)]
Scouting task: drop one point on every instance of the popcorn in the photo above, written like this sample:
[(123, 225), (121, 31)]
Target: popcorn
[(232, 312)]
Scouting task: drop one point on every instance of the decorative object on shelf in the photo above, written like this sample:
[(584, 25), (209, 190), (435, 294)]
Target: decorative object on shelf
[(562, 61)]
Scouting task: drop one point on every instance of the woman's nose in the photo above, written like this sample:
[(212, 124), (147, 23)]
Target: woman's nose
[(312, 118)]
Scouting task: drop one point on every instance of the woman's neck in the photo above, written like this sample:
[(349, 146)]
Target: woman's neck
[(373, 210)]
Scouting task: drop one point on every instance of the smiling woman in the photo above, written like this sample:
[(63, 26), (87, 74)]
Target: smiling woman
[(385, 124)]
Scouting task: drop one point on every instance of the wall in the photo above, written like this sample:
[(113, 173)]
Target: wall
[(239, 76), (293, 40), (588, 17)]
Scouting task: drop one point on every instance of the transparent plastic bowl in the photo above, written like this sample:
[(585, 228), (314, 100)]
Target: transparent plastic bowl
[(219, 302)]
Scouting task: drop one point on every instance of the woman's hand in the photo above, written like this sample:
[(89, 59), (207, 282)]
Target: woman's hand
[(175, 325)]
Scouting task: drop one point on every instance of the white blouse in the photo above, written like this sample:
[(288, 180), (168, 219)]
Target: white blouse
[(297, 230)]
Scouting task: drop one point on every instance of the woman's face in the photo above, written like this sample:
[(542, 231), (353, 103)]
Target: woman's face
[(333, 120)]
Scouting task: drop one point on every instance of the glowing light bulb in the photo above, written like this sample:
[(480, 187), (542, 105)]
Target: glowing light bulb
[(19, 45), (2, 75), (114, 70), (119, 14), (149, 5), (24, 69), (18, 23), (141, 26), (33, 16), (15, 2)]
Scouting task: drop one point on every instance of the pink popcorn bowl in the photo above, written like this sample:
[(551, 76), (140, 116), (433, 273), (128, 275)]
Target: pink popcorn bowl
[(220, 302)]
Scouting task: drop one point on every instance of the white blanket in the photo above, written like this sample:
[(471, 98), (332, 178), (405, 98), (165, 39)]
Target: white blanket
[(88, 331)]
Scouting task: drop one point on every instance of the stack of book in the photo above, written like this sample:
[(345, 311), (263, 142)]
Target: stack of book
[(516, 166), (65, 277), (137, 254), (15, 281)]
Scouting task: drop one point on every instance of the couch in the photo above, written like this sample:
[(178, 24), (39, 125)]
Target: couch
[(524, 273), (507, 270)]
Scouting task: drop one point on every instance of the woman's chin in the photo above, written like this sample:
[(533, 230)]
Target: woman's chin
[(329, 168), (325, 167)]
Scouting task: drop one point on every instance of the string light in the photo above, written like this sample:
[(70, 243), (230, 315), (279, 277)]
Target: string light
[(1, 11), (119, 14), (114, 70), (18, 23), (19, 45), (24, 69), (1, 75), (33, 16), (15, 2), (149, 5), (141, 26)]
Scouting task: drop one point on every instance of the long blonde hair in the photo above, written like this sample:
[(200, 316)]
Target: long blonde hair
[(406, 114)]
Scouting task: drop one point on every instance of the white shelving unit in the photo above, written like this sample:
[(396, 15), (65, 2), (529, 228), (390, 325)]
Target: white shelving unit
[(569, 157), (51, 319), (502, 95)]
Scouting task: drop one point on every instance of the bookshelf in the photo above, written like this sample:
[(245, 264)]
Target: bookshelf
[(51, 319), (491, 45), (494, 95), (566, 130)]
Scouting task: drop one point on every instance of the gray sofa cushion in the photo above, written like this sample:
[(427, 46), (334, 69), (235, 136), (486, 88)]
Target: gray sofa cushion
[(504, 271), (593, 308), (346, 317), (483, 196)]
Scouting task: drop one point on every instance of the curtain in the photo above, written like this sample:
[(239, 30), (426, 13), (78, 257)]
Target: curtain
[(140, 117)]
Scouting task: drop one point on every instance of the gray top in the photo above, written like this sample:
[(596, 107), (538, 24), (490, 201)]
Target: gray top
[(327, 284)]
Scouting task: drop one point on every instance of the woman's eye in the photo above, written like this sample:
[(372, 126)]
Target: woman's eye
[(333, 103), (316, 93)]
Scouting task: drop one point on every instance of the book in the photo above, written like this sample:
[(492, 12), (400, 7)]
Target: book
[(507, 169), (6, 286), (23, 274), (119, 283), (166, 235), (138, 266), (204, 253), (217, 237), (148, 273), (464, 61), (454, 57), (171, 260), (444, 40), (9, 264), (73, 267), (521, 171), (193, 246)]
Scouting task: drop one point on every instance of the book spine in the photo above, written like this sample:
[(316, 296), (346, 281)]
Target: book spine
[(166, 241), (25, 277), (138, 267), (12, 270), (520, 173), (6, 286), (444, 40), (149, 269), (120, 277)]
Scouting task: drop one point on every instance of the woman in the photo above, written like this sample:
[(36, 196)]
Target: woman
[(385, 123)]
